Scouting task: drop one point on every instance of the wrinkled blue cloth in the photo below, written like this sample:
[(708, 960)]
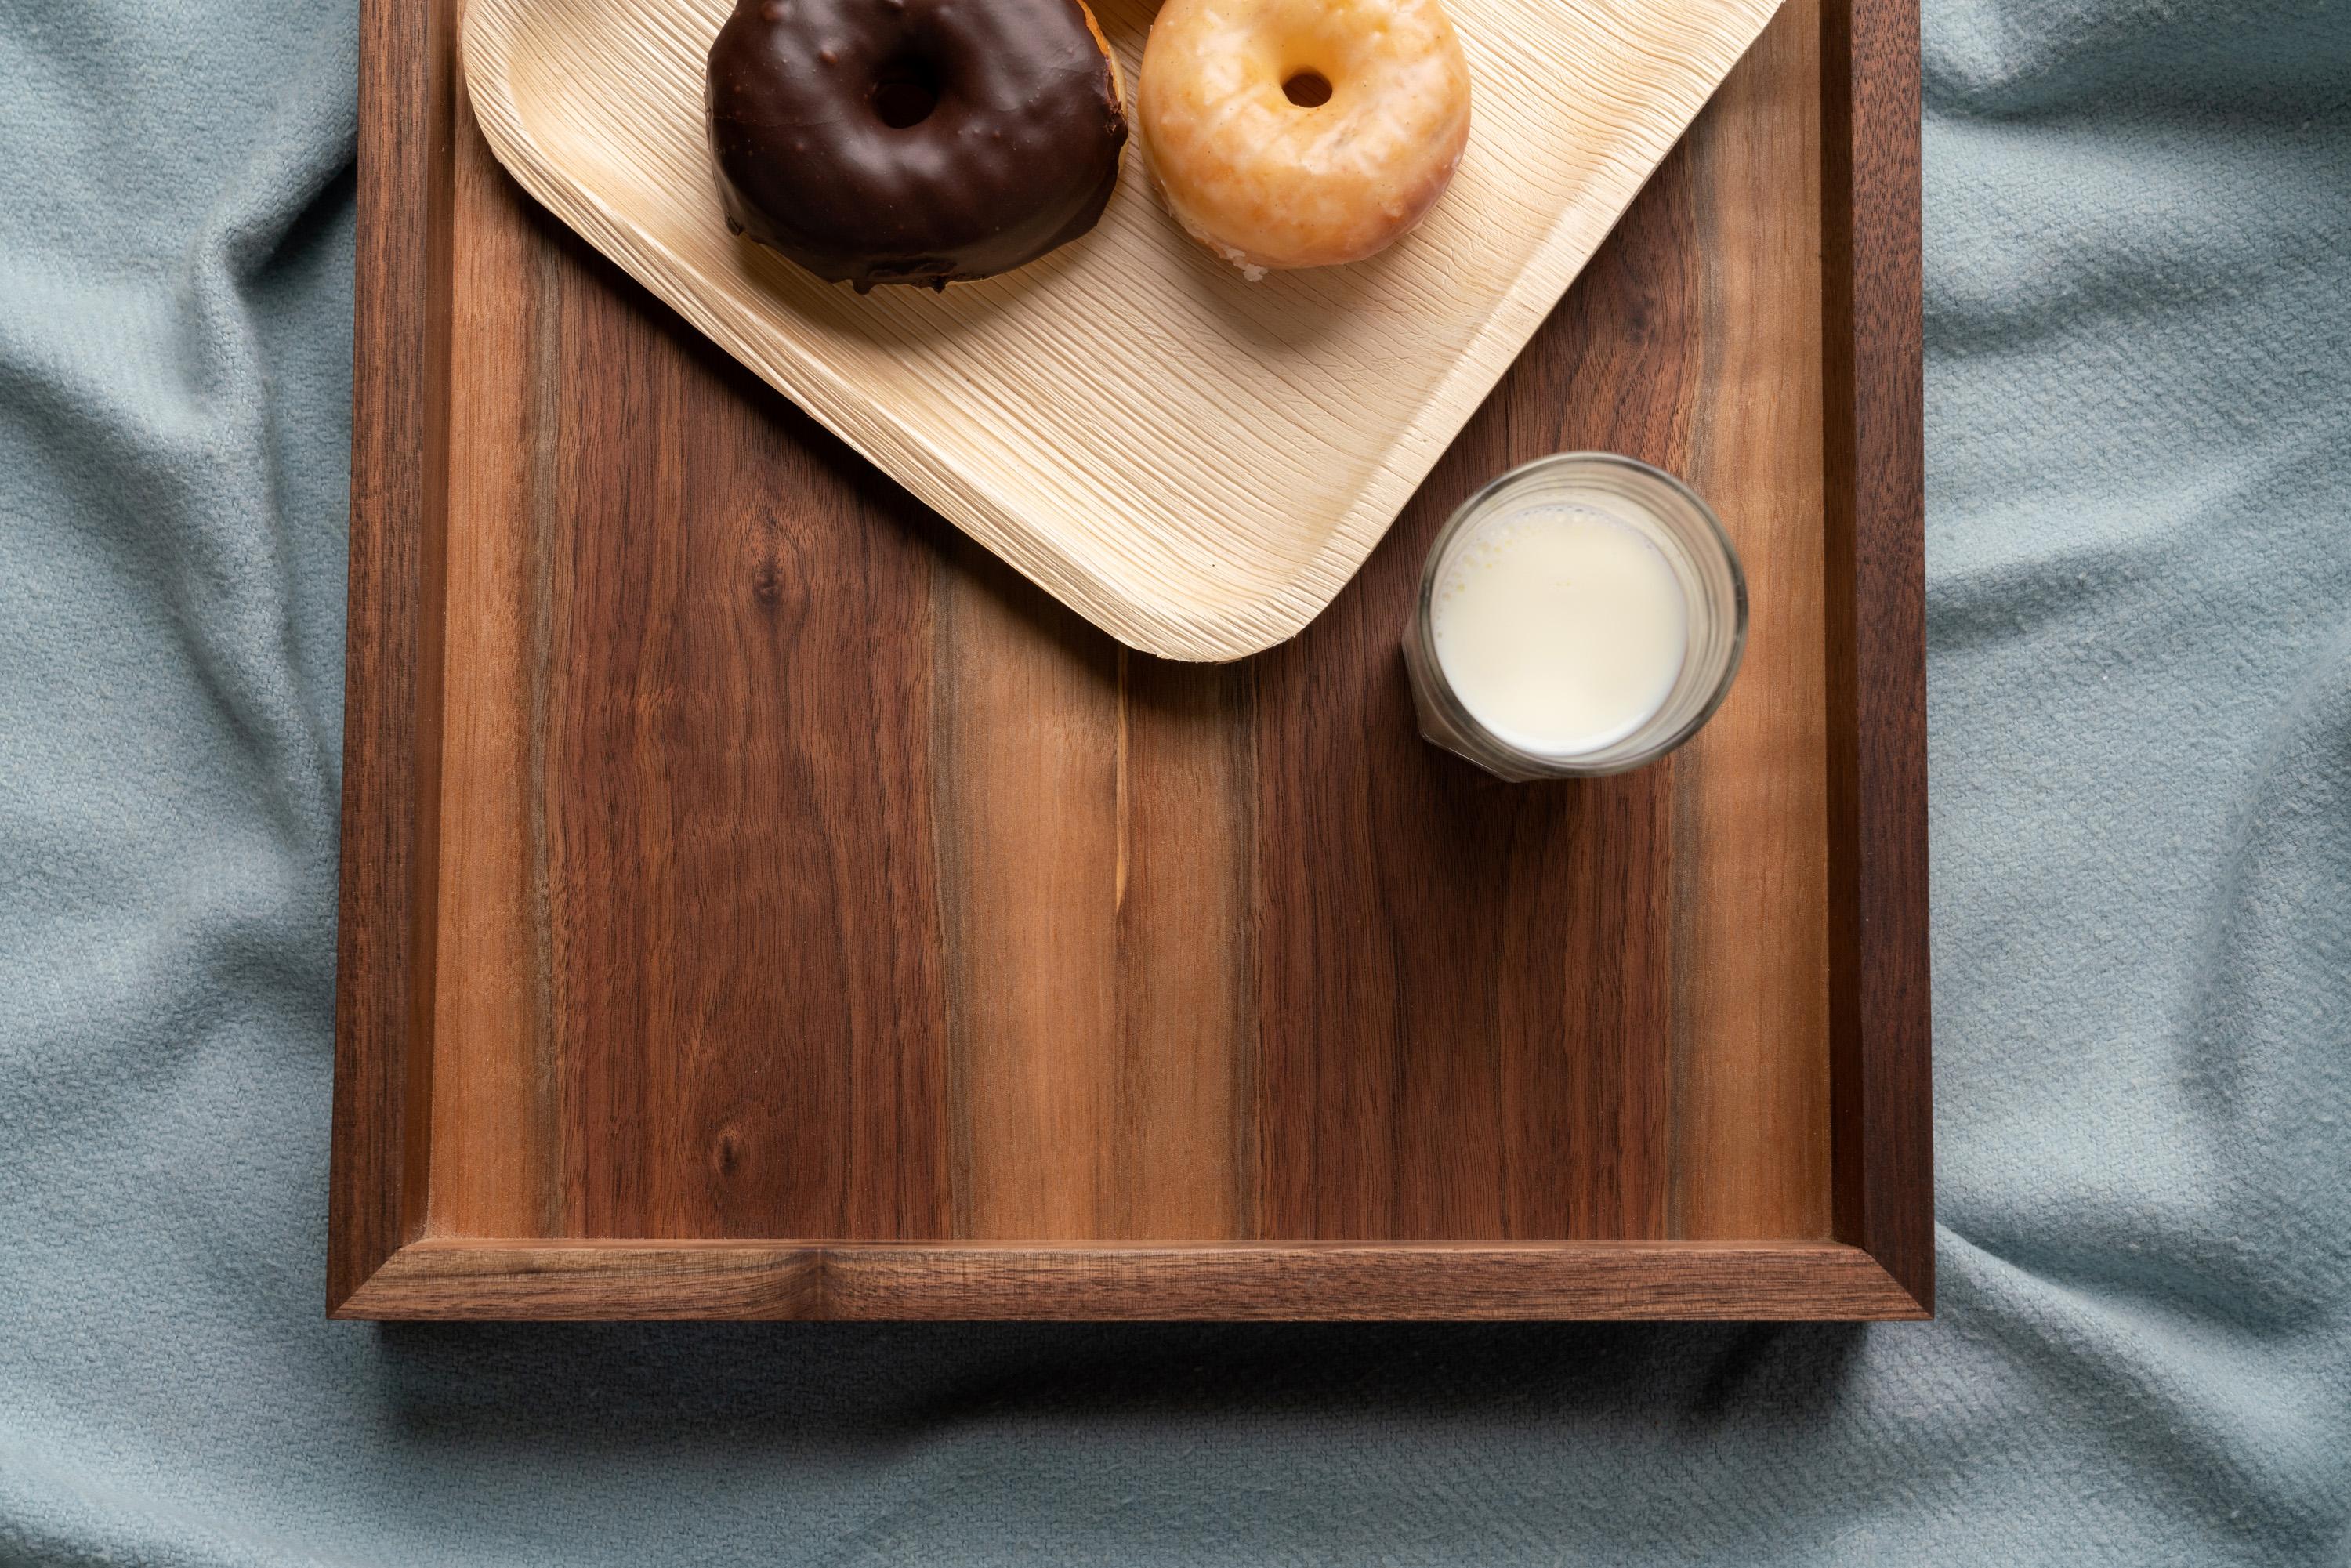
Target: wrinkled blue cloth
[(2138, 262)]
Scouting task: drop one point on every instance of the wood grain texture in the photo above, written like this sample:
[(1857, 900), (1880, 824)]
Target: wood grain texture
[(1751, 813), (1184, 887), (385, 921), (747, 915), (500, 1068), (1880, 976), (1030, 717), (1464, 986), (1458, 1283), (761, 901), (1196, 463)]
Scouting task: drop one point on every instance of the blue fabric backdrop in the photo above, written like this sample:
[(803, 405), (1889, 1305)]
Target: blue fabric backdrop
[(2139, 264)]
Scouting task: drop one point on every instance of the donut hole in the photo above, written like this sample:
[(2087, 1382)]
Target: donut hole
[(904, 93), (1306, 89)]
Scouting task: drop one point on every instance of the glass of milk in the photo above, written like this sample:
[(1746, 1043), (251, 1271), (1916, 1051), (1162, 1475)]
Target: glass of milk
[(1583, 614)]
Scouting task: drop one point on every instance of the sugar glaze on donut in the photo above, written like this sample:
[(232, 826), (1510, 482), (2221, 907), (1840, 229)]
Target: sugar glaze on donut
[(914, 141), (1289, 133)]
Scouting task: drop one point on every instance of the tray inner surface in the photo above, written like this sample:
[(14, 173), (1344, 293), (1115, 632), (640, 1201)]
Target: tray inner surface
[(801, 872)]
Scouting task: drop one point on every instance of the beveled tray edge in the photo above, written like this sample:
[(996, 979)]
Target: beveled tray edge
[(1336, 1280)]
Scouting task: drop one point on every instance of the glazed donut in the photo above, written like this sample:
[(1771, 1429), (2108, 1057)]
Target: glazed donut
[(914, 141), (1301, 132)]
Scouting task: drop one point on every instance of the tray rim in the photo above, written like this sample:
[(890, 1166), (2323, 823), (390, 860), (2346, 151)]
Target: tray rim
[(1881, 1265), (447, 1278)]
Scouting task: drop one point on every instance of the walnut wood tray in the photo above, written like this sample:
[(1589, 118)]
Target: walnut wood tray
[(760, 901)]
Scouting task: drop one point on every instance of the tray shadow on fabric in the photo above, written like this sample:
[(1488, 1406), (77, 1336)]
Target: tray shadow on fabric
[(669, 1382)]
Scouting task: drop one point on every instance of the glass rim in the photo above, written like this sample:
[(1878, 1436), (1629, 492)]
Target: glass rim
[(1571, 765)]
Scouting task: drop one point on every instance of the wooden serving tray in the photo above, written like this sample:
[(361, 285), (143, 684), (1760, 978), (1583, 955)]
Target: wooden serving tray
[(759, 901), (1194, 461)]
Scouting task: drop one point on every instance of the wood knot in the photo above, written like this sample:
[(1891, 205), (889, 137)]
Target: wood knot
[(766, 583), (771, 561)]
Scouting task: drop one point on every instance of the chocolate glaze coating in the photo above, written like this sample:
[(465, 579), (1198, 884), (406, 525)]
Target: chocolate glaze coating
[(1018, 154)]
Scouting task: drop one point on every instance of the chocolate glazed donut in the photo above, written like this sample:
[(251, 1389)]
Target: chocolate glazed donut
[(914, 141)]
